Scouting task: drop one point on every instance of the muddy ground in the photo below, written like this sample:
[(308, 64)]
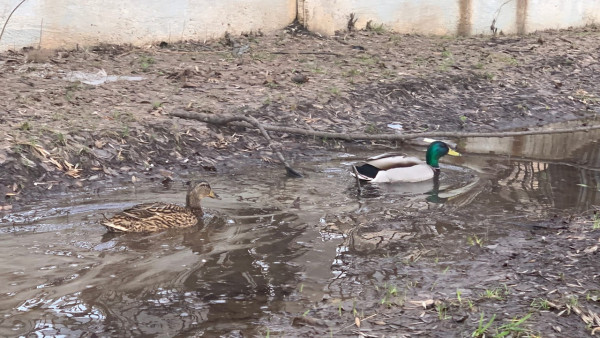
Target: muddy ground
[(61, 133)]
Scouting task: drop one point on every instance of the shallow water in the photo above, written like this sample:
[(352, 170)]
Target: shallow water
[(273, 246)]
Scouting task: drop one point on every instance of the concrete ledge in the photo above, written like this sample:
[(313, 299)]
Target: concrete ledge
[(450, 17)]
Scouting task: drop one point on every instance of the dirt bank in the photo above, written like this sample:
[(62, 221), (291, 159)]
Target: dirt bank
[(83, 115)]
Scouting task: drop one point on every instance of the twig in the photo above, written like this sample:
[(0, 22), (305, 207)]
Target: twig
[(41, 31), (306, 53), (7, 19), (353, 324), (290, 171), (227, 119), (223, 119), (357, 180)]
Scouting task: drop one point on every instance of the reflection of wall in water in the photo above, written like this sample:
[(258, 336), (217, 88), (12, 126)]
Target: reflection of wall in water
[(541, 147), (538, 186)]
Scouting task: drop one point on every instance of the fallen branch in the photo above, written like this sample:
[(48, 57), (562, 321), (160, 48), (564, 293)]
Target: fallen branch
[(227, 119), (223, 119)]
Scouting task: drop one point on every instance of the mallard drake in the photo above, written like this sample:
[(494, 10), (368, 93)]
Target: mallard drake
[(400, 168), (149, 217)]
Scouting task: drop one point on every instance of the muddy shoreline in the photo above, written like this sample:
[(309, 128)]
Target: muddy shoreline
[(60, 128)]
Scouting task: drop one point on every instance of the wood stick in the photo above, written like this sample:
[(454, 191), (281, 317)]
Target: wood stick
[(223, 119)]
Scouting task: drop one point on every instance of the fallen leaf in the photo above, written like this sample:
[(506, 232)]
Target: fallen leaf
[(99, 144), (357, 321), (424, 303)]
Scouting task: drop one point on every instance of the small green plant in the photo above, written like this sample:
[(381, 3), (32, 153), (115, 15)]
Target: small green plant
[(272, 84), (497, 293), (592, 295), (334, 91), (596, 222), (367, 59), (391, 296), (17, 148), (123, 116), (441, 309), (483, 326), (146, 62), (301, 287), (458, 298), (475, 241), (540, 304), (446, 54), (371, 129), (463, 119), (156, 105), (572, 301), (61, 139), (71, 89), (446, 64), (25, 126), (317, 70), (513, 328), (352, 73), (125, 132)]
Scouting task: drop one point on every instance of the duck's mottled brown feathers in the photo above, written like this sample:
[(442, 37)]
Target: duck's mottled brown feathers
[(151, 217)]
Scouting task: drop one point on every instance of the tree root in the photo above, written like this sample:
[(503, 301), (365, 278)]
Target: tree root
[(223, 119), (231, 119)]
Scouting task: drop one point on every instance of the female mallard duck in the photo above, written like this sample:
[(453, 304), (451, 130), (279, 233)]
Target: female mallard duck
[(399, 168), (157, 216)]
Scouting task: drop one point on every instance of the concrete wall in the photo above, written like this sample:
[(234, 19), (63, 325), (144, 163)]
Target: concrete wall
[(65, 23), (451, 17)]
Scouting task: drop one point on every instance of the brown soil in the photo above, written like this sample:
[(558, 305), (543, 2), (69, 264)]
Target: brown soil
[(60, 134)]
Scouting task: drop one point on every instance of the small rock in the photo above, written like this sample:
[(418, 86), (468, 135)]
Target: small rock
[(299, 78)]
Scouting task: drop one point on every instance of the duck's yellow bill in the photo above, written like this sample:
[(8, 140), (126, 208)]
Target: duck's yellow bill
[(453, 152)]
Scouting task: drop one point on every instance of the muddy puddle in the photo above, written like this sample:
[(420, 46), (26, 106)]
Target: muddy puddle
[(274, 247)]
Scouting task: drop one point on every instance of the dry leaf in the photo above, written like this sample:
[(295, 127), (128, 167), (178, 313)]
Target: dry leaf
[(424, 303), (133, 179), (99, 144), (357, 321), (591, 249)]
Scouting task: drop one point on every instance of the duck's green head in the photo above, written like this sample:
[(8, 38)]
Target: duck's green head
[(436, 150)]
